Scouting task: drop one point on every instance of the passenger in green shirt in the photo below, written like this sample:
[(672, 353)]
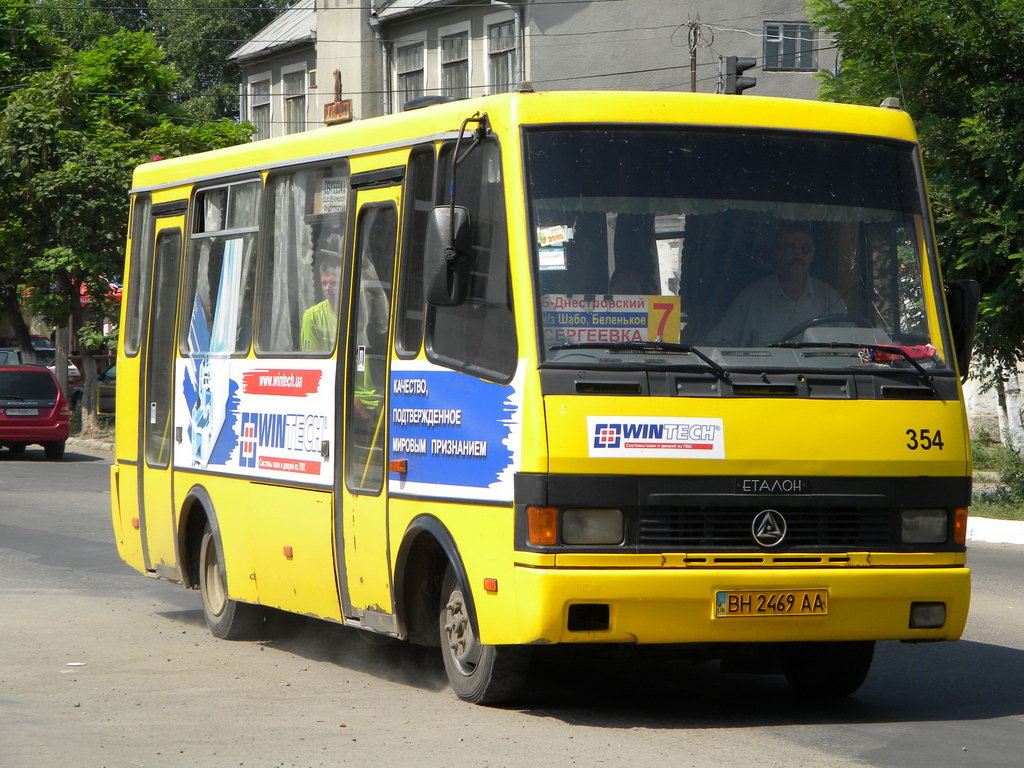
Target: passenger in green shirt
[(320, 322)]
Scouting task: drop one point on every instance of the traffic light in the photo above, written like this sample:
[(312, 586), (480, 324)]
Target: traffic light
[(735, 66)]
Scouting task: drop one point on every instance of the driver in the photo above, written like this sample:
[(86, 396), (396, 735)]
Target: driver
[(767, 309)]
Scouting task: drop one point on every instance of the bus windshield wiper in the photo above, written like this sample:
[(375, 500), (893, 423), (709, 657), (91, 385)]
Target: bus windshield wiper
[(925, 376), (648, 347)]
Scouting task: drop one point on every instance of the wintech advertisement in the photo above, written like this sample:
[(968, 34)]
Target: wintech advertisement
[(275, 418)]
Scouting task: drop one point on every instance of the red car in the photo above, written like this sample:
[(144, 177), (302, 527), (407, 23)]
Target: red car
[(32, 410)]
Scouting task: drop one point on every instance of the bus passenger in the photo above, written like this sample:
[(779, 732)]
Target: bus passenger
[(767, 309), (320, 322)]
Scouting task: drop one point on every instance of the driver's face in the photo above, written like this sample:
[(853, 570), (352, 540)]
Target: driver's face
[(794, 253), (329, 285)]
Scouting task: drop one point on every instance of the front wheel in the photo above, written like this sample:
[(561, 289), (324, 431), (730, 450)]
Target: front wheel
[(827, 670), (483, 674), (227, 619)]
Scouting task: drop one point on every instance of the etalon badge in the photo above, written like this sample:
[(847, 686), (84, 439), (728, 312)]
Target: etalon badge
[(768, 528)]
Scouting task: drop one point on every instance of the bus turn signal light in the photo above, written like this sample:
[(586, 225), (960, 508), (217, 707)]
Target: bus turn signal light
[(542, 523), (960, 526), (490, 585), (401, 466)]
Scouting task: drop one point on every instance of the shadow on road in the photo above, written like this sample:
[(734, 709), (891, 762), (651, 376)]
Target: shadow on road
[(934, 682), (34, 454), (928, 682), (353, 649)]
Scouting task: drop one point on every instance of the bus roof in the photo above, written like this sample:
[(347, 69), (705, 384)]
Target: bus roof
[(544, 107)]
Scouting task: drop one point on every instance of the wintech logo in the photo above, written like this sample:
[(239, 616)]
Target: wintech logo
[(654, 437), (607, 435)]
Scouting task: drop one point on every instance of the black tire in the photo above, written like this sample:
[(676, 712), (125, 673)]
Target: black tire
[(827, 670), (482, 674), (54, 451), (227, 619), (16, 448)]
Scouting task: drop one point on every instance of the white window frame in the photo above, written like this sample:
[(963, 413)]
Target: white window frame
[(405, 42), (447, 31), (291, 69), (489, 21), (250, 82), (782, 35)]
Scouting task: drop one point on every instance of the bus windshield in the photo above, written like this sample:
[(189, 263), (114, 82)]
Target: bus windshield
[(756, 249)]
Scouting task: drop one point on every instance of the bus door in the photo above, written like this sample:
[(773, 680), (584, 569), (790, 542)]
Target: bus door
[(156, 510), (364, 559)]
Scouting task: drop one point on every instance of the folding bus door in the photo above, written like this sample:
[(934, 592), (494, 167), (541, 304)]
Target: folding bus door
[(156, 422), (363, 554)]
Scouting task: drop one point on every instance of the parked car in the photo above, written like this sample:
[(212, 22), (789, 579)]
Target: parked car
[(38, 342), (106, 391), (46, 356), (33, 410)]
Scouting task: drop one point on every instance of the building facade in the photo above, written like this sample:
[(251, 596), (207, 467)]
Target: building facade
[(377, 56)]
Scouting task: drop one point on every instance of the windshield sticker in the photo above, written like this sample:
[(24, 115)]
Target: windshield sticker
[(655, 438), (552, 258), (576, 319), (558, 235)]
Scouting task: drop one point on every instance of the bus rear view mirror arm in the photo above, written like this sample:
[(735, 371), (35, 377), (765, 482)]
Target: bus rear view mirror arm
[(445, 262), (962, 297)]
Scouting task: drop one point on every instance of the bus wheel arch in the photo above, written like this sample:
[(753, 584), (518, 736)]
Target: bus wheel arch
[(426, 552), (205, 569), (435, 607)]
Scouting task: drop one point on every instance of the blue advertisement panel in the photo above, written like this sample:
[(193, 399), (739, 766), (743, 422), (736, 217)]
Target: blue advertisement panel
[(459, 435)]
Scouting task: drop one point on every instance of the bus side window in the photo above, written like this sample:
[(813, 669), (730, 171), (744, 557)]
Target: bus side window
[(419, 197), (479, 335), (220, 270), (141, 266), (300, 271)]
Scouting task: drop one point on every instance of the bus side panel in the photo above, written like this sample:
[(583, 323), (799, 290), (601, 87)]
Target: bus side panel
[(292, 543), (123, 505)]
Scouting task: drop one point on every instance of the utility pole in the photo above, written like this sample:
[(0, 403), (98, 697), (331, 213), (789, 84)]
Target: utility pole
[(694, 26)]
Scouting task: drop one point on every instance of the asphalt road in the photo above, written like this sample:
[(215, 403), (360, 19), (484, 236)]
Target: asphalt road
[(100, 666)]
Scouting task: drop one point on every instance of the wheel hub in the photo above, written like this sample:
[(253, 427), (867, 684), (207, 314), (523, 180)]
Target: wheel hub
[(462, 643)]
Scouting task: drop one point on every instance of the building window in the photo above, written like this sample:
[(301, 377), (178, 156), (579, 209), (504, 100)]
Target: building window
[(789, 46), (501, 56), (409, 66), (455, 65), (259, 108), (294, 101)]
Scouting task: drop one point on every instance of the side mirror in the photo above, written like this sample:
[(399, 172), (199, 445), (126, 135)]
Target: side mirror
[(446, 266), (962, 298)]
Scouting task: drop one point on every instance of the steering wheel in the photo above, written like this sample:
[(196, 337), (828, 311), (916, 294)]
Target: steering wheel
[(840, 317)]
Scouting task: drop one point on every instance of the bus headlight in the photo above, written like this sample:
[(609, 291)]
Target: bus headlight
[(924, 526), (592, 526)]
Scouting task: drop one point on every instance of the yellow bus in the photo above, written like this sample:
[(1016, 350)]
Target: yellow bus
[(550, 368)]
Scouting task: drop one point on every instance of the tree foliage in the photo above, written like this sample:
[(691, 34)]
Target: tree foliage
[(958, 66), (69, 139)]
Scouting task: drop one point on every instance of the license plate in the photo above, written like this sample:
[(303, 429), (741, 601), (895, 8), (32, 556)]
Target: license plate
[(22, 411), (772, 602)]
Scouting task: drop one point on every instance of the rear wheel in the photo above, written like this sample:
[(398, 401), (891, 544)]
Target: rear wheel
[(483, 674), (827, 670), (54, 451), (226, 618)]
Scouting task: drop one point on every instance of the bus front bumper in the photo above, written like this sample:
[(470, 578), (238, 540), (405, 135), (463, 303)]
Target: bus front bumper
[(664, 605)]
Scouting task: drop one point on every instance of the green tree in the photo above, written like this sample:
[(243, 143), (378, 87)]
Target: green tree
[(958, 66), (69, 139)]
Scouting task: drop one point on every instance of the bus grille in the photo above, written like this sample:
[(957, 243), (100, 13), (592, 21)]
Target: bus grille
[(716, 529)]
